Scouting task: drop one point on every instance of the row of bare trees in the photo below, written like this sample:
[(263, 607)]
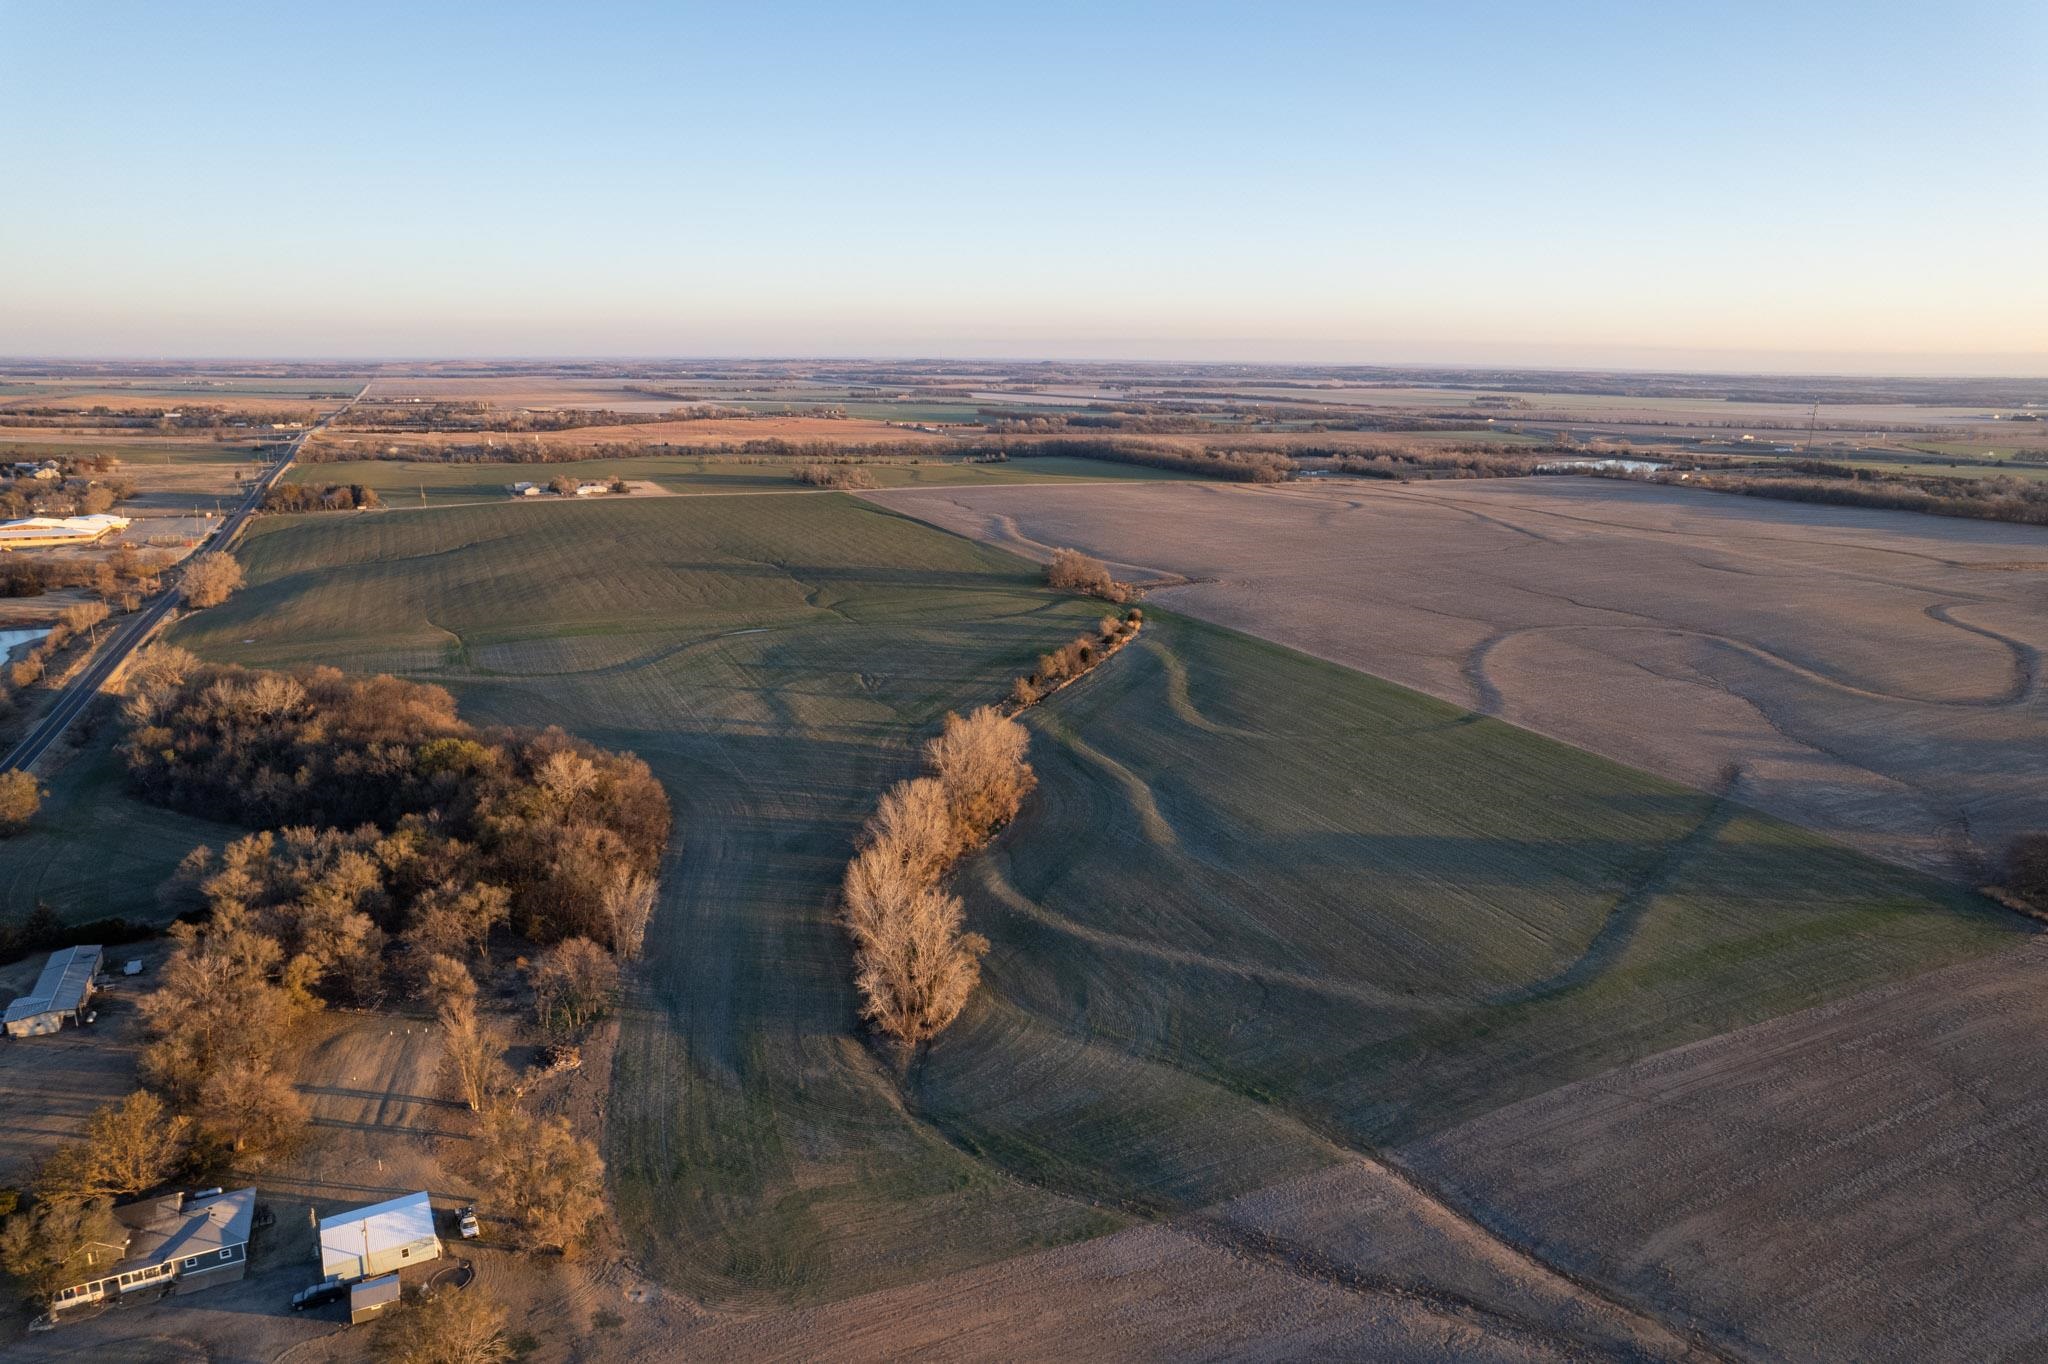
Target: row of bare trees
[(914, 964), (1076, 657), (841, 475)]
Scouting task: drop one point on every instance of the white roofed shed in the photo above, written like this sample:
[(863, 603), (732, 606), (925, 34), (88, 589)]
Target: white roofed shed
[(378, 1239)]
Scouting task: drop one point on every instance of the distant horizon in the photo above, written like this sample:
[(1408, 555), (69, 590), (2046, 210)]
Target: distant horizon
[(2022, 367)]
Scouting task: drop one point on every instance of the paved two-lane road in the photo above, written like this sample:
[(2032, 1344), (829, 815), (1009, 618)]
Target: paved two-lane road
[(123, 639)]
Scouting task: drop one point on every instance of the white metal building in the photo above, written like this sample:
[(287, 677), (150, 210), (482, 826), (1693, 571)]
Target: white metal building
[(378, 1239), (59, 996), (31, 532)]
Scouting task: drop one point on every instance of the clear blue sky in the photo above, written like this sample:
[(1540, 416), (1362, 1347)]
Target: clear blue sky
[(1721, 185)]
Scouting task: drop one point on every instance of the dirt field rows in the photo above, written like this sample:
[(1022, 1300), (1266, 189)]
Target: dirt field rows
[(1352, 1263), (1860, 1181), (1874, 675)]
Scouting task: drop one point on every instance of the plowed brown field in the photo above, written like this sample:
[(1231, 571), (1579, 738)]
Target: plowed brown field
[(1874, 675)]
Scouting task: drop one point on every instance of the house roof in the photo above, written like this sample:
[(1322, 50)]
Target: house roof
[(200, 1227), (62, 985)]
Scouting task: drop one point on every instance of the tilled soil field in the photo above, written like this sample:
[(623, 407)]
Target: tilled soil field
[(1351, 1263), (1859, 1181), (1873, 675)]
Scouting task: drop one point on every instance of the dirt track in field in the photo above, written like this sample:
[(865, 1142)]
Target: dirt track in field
[(1877, 676)]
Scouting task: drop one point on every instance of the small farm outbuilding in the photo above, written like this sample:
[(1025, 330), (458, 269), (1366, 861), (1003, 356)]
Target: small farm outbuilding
[(174, 1244), (59, 994), (371, 1296), (380, 1239)]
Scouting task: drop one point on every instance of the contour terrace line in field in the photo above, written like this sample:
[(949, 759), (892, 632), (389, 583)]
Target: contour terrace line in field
[(1875, 675)]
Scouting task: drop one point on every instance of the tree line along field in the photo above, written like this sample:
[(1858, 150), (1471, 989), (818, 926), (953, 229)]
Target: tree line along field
[(409, 483), (1262, 909)]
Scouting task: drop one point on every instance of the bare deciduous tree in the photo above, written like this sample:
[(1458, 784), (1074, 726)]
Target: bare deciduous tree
[(250, 1109), (628, 902), (474, 1052), (553, 1178), (447, 1327), (915, 822), (447, 981), (20, 798), (1073, 571), (216, 1005), (914, 967), (212, 579), (979, 759), (56, 1243), (573, 982), (130, 1146)]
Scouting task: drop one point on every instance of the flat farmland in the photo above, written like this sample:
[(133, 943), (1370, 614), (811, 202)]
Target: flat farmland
[(413, 482), (706, 431), (1671, 411), (1873, 675), (1264, 915)]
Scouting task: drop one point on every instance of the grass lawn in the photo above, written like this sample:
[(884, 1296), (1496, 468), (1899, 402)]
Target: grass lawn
[(1260, 908), (403, 483), (93, 851)]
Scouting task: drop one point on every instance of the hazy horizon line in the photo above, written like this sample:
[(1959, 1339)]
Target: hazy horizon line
[(2027, 365)]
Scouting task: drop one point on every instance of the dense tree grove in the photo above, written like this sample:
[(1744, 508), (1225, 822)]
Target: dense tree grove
[(300, 497), (465, 827), (1997, 497), (1235, 466)]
